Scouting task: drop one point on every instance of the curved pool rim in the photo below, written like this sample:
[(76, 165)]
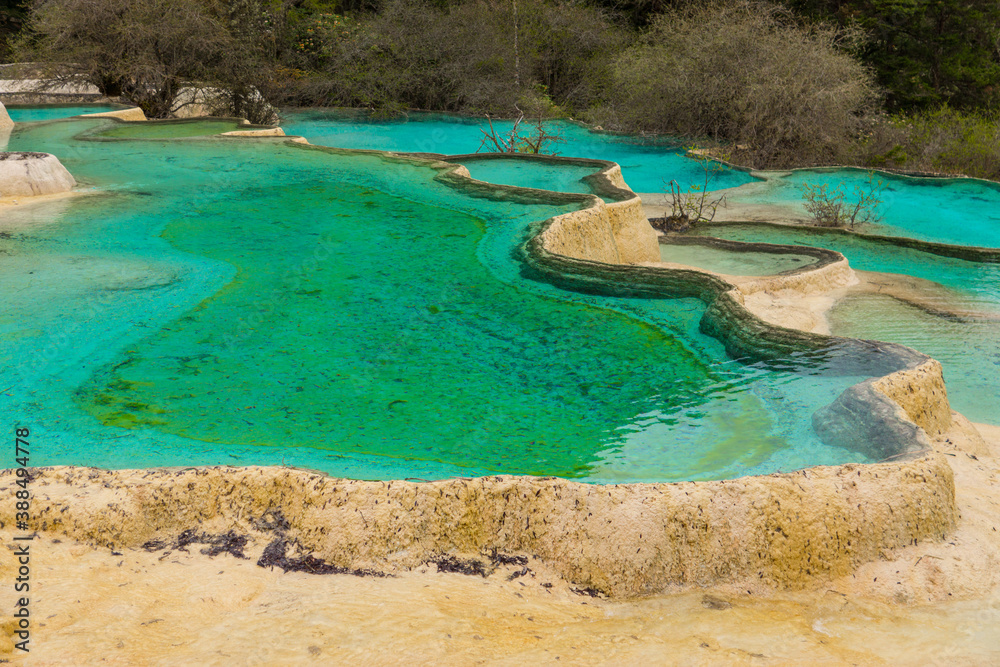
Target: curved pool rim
[(744, 335), (907, 496)]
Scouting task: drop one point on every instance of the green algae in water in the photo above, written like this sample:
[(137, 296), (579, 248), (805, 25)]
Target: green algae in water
[(247, 302), (328, 338), (170, 129)]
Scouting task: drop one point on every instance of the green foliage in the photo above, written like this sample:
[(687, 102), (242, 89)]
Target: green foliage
[(925, 52), (830, 207), (744, 73), (12, 16), (943, 140)]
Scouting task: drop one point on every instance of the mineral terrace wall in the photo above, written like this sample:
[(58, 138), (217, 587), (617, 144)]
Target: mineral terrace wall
[(624, 540)]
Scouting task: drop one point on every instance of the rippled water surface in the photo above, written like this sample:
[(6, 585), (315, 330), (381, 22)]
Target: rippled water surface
[(968, 347), (248, 301)]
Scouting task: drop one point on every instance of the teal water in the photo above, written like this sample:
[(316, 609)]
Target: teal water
[(733, 262), (968, 350), (259, 302), (529, 174), (945, 210), (646, 162), (32, 114)]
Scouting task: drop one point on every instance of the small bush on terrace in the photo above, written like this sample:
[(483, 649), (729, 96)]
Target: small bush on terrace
[(830, 207)]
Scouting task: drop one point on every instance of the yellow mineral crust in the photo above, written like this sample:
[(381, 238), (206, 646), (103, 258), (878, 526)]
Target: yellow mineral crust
[(624, 540), (130, 114), (921, 393)]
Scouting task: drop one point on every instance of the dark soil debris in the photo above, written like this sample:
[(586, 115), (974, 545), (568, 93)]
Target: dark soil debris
[(229, 543), (506, 559), (271, 520), (276, 554), (460, 566), (592, 592)]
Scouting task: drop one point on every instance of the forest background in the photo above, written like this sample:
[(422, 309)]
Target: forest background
[(899, 84)]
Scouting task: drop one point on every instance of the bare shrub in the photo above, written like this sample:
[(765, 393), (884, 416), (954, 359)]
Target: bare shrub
[(146, 51), (696, 204), (537, 141), (830, 207), (483, 56), (745, 72)]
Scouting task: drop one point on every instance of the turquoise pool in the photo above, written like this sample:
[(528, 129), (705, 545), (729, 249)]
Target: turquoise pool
[(732, 262), (33, 114), (556, 177), (968, 349), (645, 162), (954, 211), (253, 301), (944, 210)]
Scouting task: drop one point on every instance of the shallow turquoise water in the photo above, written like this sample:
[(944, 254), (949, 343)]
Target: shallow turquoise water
[(524, 174), (257, 302), (645, 162), (956, 211), (969, 351), (733, 262), (32, 114)]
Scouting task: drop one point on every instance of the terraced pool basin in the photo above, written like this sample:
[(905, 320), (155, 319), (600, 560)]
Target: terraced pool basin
[(171, 129), (254, 301), (647, 163), (733, 262), (967, 347), (944, 210), (556, 176)]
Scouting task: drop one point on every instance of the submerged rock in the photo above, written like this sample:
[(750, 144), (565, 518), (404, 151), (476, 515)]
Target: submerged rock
[(865, 420)]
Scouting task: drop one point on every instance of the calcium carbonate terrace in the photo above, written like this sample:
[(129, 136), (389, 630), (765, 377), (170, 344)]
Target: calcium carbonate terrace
[(351, 313)]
